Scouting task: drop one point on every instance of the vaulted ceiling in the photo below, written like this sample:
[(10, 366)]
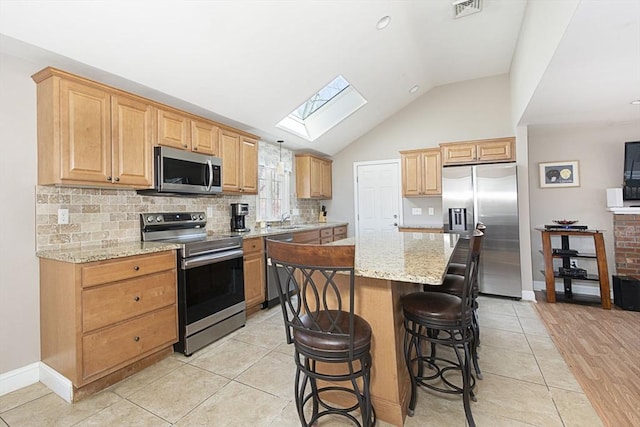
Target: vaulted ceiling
[(250, 63)]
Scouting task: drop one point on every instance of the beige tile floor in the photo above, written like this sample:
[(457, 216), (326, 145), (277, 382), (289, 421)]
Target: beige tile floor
[(246, 379)]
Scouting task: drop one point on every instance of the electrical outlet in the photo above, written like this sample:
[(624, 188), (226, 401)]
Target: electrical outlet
[(416, 211), (63, 216), (210, 211), (430, 211), (295, 211)]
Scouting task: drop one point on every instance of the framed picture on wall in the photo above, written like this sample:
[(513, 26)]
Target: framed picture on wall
[(559, 174)]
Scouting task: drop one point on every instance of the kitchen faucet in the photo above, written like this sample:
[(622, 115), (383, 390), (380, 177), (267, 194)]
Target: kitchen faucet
[(285, 216)]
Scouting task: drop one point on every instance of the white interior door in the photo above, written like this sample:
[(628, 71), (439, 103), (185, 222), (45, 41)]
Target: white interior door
[(378, 196)]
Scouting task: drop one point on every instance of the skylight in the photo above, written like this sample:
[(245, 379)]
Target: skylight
[(324, 110)]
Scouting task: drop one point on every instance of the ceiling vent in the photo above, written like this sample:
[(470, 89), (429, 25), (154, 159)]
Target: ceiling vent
[(466, 7)]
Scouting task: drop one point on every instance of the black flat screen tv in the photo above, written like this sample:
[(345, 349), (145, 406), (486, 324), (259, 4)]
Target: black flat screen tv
[(631, 188)]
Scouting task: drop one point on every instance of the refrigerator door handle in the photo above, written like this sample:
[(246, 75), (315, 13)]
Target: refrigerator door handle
[(474, 183)]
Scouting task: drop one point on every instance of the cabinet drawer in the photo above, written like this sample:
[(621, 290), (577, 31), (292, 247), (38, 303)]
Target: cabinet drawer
[(340, 230), (326, 232), (312, 236), (325, 240), (127, 268), (253, 245), (111, 347), (105, 305)]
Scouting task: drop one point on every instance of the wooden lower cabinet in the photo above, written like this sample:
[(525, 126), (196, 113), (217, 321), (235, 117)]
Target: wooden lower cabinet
[(309, 237), (254, 273), (106, 318), (339, 232)]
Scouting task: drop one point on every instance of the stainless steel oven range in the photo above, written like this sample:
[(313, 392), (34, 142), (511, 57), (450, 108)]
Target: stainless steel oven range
[(210, 277)]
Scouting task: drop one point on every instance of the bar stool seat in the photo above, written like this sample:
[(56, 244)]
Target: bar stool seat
[(314, 341)]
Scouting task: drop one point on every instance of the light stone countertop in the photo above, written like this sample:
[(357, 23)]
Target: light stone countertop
[(101, 253), (403, 257), (125, 249)]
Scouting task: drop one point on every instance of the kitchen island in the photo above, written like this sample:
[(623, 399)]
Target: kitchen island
[(388, 266)]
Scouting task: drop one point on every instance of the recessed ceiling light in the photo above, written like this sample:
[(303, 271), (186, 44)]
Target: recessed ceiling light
[(635, 102), (383, 22), (414, 89)]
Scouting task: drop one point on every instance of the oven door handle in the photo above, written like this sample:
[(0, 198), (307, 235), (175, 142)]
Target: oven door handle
[(210, 259)]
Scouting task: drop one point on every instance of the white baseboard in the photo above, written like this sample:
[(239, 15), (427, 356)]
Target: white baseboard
[(31, 374), (528, 296), (19, 378), (59, 384)]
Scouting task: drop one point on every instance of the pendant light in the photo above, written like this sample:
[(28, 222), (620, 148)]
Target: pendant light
[(280, 166)]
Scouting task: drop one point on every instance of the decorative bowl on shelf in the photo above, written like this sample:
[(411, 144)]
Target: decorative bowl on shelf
[(565, 221)]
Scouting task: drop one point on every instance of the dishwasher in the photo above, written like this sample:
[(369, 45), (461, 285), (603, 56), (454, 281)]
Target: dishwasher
[(272, 286)]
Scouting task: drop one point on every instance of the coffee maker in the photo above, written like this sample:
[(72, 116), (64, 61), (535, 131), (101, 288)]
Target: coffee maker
[(238, 213)]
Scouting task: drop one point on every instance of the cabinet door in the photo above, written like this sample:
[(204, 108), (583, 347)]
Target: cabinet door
[(463, 153), (249, 166), (204, 138), (411, 174), (173, 130), (131, 141), (496, 150), (230, 153), (431, 172), (316, 177), (326, 180), (254, 279), (85, 133)]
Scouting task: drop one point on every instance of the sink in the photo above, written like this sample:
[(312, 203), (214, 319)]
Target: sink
[(289, 227)]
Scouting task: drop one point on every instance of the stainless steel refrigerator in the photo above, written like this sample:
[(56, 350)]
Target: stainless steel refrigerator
[(487, 194)]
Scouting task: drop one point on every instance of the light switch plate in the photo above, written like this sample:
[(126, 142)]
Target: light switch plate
[(295, 211), (430, 211), (209, 211), (416, 211)]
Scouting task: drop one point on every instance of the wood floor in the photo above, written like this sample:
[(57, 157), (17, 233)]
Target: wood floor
[(602, 348)]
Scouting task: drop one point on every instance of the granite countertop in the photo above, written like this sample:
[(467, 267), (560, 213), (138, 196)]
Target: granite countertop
[(291, 228), (403, 257), (101, 253)]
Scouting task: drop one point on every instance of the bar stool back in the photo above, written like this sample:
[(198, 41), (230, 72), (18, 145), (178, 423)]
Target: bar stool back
[(320, 321)]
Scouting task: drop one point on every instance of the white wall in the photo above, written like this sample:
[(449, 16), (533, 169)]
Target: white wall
[(542, 28), (599, 148), (474, 109), (19, 278)]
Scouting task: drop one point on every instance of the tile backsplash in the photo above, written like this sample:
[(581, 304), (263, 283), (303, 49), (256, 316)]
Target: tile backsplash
[(106, 217)]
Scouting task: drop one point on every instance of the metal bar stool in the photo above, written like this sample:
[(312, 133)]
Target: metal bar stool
[(320, 322), (445, 319)]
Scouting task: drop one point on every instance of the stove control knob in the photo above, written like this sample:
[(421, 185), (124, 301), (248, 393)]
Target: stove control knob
[(150, 218), (159, 218), (194, 217), (201, 217)]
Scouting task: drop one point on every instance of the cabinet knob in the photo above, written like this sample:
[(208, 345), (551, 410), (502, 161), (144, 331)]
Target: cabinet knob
[(184, 145), (136, 298), (116, 179), (136, 339), (108, 178), (136, 268), (195, 148)]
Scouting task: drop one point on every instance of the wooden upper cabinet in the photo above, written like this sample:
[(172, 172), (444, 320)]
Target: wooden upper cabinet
[(205, 137), (91, 135), (479, 151), (421, 172), (132, 141), (173, 130), (239, 163), (230, 153), (249, 165), (313, 177)]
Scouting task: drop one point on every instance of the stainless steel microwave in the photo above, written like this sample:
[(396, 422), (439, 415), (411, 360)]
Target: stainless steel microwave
[(184, 172)]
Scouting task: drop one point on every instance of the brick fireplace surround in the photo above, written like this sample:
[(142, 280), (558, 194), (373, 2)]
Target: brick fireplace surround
[(626, 235)]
